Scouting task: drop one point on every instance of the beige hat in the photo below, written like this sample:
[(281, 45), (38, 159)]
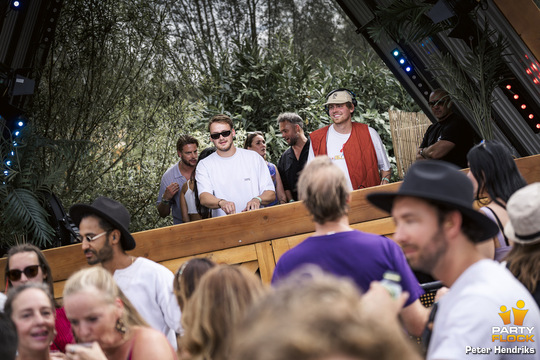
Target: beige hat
[(339, 97), (523, 210)]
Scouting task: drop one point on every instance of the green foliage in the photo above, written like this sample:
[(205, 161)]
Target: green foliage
[(25, 187), (124, 79)]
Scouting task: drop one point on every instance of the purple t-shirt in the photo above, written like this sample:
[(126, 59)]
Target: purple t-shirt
[(363, 257)]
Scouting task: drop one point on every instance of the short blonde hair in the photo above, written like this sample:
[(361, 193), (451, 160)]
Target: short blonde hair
[(218, 304), (323, 188), (97, 278)]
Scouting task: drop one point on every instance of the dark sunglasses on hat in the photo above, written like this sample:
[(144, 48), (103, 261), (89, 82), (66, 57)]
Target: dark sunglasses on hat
[(30, 272), (223, 133)]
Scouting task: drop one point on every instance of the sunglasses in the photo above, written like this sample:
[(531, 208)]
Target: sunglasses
[(438, 102), (89, 238), (29, 271), (223, 133)]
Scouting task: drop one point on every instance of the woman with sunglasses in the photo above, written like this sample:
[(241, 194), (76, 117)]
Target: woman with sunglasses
[(31, 308), (495, 177), (26, 263), (106, 324)]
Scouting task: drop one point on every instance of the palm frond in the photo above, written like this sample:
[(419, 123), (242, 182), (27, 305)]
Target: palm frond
[(405, 21), (23, 212)]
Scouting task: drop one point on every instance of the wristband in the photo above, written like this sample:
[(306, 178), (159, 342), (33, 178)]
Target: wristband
[(258, 198), (385, 178), (166, 202), (220, 200)]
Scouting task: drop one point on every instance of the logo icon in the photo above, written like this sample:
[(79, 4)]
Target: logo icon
[(519, 313)]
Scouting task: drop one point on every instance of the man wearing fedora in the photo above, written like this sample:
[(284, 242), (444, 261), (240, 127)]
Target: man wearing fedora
[(340, 250), (437, 228), (105, 238), (354, 147)]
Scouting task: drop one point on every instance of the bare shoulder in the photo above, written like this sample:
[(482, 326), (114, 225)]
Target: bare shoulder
[(150, 343)]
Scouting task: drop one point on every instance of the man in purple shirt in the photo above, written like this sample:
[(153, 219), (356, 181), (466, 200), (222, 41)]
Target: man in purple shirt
[(339, 249)]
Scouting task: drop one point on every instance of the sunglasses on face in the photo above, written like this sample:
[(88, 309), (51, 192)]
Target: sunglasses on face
[(89, 238), (29, 271), (440, 101), (223, 133)]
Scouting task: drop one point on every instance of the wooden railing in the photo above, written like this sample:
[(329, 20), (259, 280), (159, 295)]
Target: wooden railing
[(254, 239)]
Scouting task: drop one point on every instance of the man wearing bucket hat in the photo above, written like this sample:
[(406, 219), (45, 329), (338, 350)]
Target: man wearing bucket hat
[(437, 228), (105, 238), (354, 147), (523, 229)]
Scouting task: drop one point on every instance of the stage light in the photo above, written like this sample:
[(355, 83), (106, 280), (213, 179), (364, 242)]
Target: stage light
[(15, 4), (516, 96), (17, 133), (508, 87), (395, 53), (8, 162), (523, 106), (20, 123), (538, 126), (531, 116), (402, 61)]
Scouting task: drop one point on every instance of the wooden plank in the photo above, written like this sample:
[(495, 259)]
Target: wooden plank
[(289, 222), (265, 256), (251, 266)]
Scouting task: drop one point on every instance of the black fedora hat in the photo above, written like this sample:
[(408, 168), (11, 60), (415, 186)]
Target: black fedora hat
[(109, 210), (443, 183)]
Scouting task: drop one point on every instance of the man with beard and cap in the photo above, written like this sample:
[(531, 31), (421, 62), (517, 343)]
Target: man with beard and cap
[(438, 228), (293, 160), (105, 238), (175, 177)]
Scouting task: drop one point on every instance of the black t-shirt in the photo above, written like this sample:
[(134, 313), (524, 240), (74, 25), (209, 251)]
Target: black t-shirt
[(456, 130), (289, 168)]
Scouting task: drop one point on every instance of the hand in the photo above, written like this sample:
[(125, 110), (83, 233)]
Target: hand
[(227, 206), (252, 204), (57, 355), (170, 191), (440, 293), (378, 303), (82, 352)]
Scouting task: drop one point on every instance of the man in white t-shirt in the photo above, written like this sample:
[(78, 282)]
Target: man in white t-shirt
[(354, 147), (232, 180), (487, 313), (105, 238)]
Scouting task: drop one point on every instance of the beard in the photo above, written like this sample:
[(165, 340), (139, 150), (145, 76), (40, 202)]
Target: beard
[(104, 254), (430, 255)]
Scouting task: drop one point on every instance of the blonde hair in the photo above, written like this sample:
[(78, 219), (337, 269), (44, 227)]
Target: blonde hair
[(312, 315), (218, 304), (97, 278), (323, 188)]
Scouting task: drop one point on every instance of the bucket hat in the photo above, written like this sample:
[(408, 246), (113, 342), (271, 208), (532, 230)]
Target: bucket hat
[(443, 183), (523, 210), (109, 210)]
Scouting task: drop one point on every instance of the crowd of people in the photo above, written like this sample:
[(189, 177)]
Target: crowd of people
[(327, 299)]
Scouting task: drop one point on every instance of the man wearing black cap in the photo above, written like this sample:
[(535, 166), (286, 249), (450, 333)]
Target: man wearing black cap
[(105, 238), (438, 228)]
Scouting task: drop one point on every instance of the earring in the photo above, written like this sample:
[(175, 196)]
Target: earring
[(120, 326)]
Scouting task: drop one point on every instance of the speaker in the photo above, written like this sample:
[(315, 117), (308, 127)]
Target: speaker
[(353, 96)]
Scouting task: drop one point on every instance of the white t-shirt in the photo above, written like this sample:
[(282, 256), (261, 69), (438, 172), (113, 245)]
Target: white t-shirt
[(334, 148), (468, 313), (149, 287), (238, 178)]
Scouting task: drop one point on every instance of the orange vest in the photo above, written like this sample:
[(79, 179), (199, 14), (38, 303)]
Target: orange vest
[(359, 153)]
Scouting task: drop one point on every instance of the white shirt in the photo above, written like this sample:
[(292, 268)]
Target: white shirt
[(238, 178)]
